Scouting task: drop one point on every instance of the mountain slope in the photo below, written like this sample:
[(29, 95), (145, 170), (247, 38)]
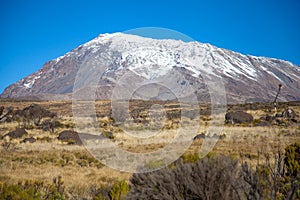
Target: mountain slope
[(246, 78)]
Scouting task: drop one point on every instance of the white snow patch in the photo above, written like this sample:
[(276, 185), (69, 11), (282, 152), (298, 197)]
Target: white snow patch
[(58, 59), (31, 82), (275, 76)]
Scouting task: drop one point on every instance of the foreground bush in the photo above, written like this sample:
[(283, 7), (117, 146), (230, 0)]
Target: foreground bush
[(213, 178), (223, 178)]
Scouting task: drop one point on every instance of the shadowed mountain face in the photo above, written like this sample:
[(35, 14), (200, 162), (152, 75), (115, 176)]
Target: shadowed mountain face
[(246, 78)]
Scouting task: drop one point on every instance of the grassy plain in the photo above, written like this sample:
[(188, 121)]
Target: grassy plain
[(49, 157)]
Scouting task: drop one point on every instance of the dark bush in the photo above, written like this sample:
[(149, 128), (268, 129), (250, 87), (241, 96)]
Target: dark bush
[(223, 178), (50, 125), (214, 178)]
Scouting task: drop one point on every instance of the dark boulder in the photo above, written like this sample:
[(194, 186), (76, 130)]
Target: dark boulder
[(29, 140), (72, 137), (18, 133), (238, 117)]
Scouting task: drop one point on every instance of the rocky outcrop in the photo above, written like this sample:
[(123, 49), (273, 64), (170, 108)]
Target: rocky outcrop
[(34, 113), (289, 113)]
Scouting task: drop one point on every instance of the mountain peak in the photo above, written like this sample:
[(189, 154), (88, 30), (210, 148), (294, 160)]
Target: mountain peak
[(106, 36), (245, 77)]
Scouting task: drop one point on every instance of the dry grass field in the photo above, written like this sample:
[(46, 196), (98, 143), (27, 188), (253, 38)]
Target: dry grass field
[(48, 158)]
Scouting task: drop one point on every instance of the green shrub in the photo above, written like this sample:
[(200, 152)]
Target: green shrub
[(190, 158), (118, 190), (256, 121), (18, 192), (70, 141), (33, 190), (292, 159)]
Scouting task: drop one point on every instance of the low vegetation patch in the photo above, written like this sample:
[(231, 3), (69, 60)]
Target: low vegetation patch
[(221, 177)]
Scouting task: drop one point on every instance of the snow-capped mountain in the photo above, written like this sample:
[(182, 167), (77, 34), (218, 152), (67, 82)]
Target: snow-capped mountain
[(246, 78)]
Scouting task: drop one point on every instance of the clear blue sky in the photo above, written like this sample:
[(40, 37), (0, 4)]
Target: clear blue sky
[(35, 31)]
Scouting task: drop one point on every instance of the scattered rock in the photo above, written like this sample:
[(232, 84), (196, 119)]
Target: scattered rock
[(18, 133), (218, 136), (108, 135), (69, 136), (238, 117), (263, 123), (5, 114), (29, 140), (221, 135), (3, 119), (199, 136), (282, 119), (267, 118), (281, 122), (289, 114), (294, 120)]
